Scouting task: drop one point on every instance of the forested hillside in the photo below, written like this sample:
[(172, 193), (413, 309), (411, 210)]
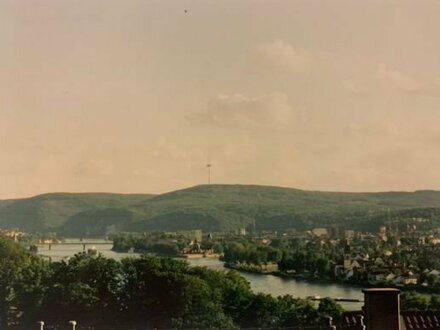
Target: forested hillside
[(210, 208), (50, 211)]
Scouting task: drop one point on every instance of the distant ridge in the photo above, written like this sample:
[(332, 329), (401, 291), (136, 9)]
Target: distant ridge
[(51, 210), (208, 207)]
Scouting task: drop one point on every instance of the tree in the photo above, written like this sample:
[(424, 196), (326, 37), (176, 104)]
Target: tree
[(329, 307), (434, 302), (13, 259), (260, 311), (85, 288), (168, 293), (198, 306), (230, 289), (322, 266), (295, 311), (413, 300), (30, 287)]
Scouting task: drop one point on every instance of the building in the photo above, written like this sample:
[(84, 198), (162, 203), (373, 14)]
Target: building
[(319, 232), (197, 236)]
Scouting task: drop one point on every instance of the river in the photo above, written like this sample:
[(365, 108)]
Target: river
[(278, 286), (259, 283)]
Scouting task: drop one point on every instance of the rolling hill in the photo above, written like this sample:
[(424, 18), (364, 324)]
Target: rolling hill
[(50, 211), (208, 207)]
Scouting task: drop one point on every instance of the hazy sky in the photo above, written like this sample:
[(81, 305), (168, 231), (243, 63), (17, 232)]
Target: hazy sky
[(137, 95)]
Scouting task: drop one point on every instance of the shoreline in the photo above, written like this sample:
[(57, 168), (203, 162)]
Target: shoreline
[(310, 279), (297, 277)]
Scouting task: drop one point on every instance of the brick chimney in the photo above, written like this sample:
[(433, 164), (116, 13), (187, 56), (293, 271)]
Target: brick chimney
[(382, 309)]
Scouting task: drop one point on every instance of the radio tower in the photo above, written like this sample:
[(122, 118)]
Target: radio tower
[(209, 172)]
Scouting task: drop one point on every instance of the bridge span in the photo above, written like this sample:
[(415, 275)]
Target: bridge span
[(84, 244)]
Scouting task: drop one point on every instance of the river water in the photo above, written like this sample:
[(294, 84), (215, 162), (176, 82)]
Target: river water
[(259, 283)]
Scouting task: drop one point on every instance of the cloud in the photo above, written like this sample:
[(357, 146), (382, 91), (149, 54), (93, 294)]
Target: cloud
[(237, 110), (282, 56), (385, 128), (397, 80), (352, 88), (93, 167)]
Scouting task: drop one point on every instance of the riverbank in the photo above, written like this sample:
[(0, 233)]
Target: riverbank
[(280, 286), (273, 285), (309, 278), (299, 277)]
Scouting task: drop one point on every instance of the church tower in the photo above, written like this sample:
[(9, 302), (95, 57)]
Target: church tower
[(347, 255)]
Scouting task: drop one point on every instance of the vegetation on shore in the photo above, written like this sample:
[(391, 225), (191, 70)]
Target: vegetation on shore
[(145, 292), (164, 244)]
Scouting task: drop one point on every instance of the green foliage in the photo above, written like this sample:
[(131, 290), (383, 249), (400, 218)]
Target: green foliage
[(266, 311), (212, 208), (96, 222), (250, 252), (30, 287), (156, 243), (84, 288), (434, 302), (21, 278), (328, 307), (411, 300), (261, 311), (145, 292), (293, 311), (49, 211)]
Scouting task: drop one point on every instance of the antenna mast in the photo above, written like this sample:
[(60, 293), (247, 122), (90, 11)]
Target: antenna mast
[(209, 172)]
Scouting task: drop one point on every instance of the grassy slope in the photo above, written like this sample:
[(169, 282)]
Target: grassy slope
[(213, 207)]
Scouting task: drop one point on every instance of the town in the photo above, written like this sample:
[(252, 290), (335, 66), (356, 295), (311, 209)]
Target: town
[(402, 253)]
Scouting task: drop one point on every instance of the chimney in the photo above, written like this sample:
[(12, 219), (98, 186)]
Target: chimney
[(382, 309)]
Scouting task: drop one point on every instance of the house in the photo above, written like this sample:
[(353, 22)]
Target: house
[(319, 232)]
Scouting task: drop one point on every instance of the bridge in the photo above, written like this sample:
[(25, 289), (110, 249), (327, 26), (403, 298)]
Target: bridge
[(84, 244)]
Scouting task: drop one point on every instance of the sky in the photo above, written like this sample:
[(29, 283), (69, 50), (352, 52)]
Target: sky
[(137, 96)]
